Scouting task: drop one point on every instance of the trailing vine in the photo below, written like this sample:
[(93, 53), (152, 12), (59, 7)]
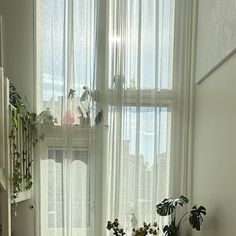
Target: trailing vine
[(23, 139)]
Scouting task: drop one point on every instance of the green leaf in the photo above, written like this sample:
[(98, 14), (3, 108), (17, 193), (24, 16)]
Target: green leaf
[(71, 94), (33, 116), (170, 230), (168, 205), (84, 97), (29, 185), (15, 122), (196, 217), (17, 154)]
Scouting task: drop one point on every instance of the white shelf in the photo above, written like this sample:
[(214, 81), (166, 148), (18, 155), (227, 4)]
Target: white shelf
[(55, 135), (59, 131), (22, 196)]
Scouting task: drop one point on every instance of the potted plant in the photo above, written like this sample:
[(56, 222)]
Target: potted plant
[(146, 229), (84, 104), (167, 207)]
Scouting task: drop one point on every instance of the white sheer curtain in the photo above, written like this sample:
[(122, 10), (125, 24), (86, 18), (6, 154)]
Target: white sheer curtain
[(140, 96), (66, 52), (66, 72), (122, 166)]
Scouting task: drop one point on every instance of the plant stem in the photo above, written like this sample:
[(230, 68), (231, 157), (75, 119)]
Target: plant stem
[(182, 218)]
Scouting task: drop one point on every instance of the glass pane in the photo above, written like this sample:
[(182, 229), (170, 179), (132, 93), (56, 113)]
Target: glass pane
[(52, 43), (141, 51), (55, 189), (66, 54), (80, 190), (63, 186), (84, 43)]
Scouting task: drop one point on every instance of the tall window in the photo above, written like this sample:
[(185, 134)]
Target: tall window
[(115, 158), (140, 96)]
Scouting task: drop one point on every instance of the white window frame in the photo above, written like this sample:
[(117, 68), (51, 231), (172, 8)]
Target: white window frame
[(53, 137)]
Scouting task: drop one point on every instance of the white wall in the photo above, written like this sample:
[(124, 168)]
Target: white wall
[(18, 19), (18, 59), (214, 161)]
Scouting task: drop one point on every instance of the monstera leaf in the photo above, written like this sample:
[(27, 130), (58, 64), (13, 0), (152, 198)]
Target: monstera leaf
[(167, 206), (170, 230), (195, 217)]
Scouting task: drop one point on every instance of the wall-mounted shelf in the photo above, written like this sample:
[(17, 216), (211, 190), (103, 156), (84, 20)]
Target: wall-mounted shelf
[(76, 134), (22, 196)]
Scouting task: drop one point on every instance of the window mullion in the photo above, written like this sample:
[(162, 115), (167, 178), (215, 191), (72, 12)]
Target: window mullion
[(148, 98)]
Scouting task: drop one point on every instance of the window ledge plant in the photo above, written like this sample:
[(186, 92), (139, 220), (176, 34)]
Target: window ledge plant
[(167, 207)]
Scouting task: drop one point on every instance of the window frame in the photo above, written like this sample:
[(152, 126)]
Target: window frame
[(53, 138)]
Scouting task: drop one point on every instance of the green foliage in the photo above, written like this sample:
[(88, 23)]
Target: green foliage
[(16, 180), (115, 226), (170, 230), (146, 229), (195, 217), (85, 100), (23, 123), (71, 93), (168, 207), (151, 229)]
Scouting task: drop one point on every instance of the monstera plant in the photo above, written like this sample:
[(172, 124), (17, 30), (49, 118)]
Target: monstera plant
[(169, 206)]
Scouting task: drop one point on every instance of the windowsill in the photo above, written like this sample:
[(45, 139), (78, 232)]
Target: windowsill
[(59, 131), (74, 135)]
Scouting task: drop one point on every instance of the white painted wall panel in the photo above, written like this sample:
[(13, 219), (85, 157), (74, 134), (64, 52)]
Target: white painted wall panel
[(214, 160), (216, 34), (18, 21)]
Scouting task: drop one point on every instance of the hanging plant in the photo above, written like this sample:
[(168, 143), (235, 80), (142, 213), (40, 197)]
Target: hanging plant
[(23, 139)]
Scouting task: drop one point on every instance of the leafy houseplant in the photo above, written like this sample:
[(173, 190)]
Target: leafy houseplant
[(84, 103), (115, 226), (146, 229), (22, 140), (169, 206)]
